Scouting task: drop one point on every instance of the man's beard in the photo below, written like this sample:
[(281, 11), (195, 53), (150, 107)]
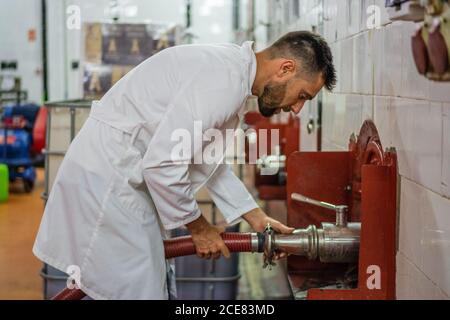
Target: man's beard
[(271, 99)]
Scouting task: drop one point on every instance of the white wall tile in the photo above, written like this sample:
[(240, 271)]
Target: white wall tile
[(363, 64), (441, 295), (353, 117), (392, 60), (401, 132), (439, 91), (327, 145), (436, 239), (383, 120), (344, 117), (338, 127), (354, 17), (387, 46), (367, 105), (329, 109), (424, 235), (346, 71), (342, 20), (378, 60), (411, 283), (363, 15), (446, 150), (417, 136), (330, 20), (411, 221), (427, 148)]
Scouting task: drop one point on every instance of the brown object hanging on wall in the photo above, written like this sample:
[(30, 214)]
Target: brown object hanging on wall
[(437, 49), (420, 52)]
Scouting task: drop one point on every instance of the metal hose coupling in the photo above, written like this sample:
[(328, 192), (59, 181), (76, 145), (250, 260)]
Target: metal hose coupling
[(333, 243)]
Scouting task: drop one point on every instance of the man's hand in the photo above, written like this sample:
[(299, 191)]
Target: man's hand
[(258, 220), (207, 240)]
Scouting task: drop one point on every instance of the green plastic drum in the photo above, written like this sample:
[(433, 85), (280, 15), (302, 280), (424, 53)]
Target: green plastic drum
[(4, 183)]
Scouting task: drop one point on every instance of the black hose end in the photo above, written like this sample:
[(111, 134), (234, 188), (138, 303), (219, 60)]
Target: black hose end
[(261, 241)]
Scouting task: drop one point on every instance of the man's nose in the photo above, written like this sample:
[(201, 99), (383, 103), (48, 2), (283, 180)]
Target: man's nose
[(297, 107)]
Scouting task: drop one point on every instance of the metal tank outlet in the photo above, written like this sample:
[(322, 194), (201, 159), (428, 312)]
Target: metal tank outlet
[(333, 243)]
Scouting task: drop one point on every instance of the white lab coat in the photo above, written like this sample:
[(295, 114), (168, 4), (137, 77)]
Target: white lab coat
[(117, 191)]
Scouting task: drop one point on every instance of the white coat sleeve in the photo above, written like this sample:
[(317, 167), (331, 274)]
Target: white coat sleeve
[(208, 99), (230, 194), (168, 179)]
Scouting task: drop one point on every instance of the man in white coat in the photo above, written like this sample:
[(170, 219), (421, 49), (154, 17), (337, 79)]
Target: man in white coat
[(119, 188)]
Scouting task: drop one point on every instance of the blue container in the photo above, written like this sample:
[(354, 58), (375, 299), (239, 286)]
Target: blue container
[(15, 145), (18, 143), (28, 111), (199, 279), (54, 281)]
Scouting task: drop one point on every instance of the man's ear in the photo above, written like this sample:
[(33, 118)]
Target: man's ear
[(288, 69)]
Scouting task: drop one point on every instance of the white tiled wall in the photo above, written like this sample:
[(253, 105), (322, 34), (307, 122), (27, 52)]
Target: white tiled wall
[(378, 80), (424, 240), (446, 150)]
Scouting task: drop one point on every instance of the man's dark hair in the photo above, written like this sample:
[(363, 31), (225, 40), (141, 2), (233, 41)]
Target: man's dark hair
[(311, 50)]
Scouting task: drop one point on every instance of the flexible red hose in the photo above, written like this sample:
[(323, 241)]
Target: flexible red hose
[(183, 246), (178, 247), (70, 294)]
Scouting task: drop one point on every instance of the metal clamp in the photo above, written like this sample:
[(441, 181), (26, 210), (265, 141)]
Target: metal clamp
[(269, 249), (341, 210)]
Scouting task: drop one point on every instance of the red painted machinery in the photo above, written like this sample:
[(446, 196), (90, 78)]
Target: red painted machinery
[(353, 257), (271, 185), (39, 131)]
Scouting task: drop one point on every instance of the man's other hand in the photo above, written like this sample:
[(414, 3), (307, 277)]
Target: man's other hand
[(207, 240), (258, 220)]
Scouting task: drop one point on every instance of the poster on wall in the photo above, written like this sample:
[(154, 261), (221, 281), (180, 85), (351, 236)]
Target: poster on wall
[(162, 37), (113, 38), (138, 44), (118, 72), (113, 49), (96, 80), (93, 43), (126, 44)]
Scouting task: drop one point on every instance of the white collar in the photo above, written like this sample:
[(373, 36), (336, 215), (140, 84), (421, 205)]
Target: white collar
[(250, 58)]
